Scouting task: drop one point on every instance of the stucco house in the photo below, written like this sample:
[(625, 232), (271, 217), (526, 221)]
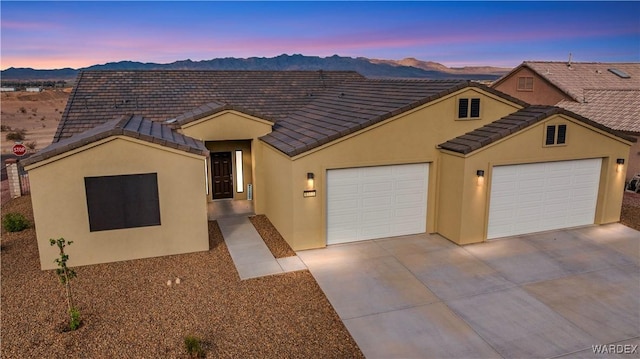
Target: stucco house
[(328, 156), (608, 93)]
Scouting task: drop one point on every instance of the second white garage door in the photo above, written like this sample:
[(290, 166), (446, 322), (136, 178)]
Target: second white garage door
[(538, 197), (376, 202)]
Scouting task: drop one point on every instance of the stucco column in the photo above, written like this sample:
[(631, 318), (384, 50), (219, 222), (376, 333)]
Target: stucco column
[(15, 189)]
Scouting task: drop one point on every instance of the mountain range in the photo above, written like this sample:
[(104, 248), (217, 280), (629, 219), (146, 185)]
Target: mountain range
[(372, 68)]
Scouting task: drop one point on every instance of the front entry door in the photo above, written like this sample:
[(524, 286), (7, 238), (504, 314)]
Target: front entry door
[(222, 175)]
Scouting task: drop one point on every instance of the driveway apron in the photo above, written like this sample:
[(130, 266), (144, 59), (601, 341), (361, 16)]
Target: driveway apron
[(552, 294)]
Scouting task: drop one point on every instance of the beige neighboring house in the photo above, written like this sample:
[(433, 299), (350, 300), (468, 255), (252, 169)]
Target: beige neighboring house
[(608, 93), (329, 157)]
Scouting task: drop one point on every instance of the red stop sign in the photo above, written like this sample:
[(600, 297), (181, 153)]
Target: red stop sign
[(19, 149)]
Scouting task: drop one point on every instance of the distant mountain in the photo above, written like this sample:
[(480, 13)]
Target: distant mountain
[(372, 68), (434, 66)]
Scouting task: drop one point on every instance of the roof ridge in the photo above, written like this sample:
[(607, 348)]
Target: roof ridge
[(62, 123)]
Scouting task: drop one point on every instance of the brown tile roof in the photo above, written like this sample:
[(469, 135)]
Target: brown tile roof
[(512, 123), (617, 109), (355, 105), (160, 95), (574, 79), (134, 126)]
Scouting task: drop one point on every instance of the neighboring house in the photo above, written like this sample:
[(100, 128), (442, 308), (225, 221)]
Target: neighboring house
[(608, 93), (331, 157), (7, 89), (34, 89)]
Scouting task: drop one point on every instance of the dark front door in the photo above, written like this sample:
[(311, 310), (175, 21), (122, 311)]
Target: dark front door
[(222, 175)]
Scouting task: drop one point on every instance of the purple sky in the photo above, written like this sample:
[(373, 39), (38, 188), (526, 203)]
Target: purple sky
[(52, 34)]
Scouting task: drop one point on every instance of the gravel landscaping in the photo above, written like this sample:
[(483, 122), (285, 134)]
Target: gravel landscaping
[(630, 215), (128, 310), (272, 238)]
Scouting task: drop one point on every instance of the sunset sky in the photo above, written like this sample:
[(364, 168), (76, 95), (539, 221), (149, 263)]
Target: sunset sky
[(52, 34)]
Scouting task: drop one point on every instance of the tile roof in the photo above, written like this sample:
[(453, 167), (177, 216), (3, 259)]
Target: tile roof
[(512, 123), (617, 109), (574, 79), (160, 95), (134, 126), (355, 105)]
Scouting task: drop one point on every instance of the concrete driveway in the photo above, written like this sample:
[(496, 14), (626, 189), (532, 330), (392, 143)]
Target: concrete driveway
[(554, 294)]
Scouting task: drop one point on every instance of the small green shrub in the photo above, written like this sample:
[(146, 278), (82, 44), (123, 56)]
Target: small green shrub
[(5, 128), (193, 345), (22, 110), (74, 322), (31, 145), (14, 222)]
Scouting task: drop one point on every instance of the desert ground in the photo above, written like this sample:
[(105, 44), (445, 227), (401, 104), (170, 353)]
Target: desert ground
[(38, 113), (128, 310)]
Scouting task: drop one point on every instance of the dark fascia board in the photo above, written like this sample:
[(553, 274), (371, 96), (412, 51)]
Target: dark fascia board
[(112, 128)]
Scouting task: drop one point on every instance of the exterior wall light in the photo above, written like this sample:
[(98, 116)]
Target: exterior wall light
[(480, 174), (310, 191), (620, 162)]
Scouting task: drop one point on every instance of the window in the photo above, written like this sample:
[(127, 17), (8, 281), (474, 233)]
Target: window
[(239, 172), (127, 201), (556, 135), (469, 108), (525, 83)]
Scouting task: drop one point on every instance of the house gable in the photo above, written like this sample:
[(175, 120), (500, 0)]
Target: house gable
[(226, 125), (520, 120), (352, 108), (464, 199), (60, 201), (543, 91)]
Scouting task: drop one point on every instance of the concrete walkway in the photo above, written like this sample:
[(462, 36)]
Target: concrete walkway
[(548, 295), (250, 255)]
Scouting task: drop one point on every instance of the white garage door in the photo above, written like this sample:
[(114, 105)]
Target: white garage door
[(376, 202), (543, 196)]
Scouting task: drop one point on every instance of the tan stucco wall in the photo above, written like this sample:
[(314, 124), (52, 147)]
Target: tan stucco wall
[(227, 125), (232, 146), (411, 137), (276, 179), (60, 205), (543, 92), (464, 220)]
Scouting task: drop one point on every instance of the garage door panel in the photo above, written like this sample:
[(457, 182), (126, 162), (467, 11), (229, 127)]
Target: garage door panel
[(378, 202), (412, 185), (376, 188), (344, 190), (343, 218), (542, 196), (380, 171), (373, 216), (414, 199)]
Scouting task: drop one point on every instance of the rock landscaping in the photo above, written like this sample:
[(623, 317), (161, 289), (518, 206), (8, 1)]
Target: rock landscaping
[(147, 308)]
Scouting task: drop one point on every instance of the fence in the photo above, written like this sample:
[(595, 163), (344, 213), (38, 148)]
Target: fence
[(18, 178)]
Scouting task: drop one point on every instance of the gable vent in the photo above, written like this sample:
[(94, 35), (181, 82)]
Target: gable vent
[(619, 73)]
